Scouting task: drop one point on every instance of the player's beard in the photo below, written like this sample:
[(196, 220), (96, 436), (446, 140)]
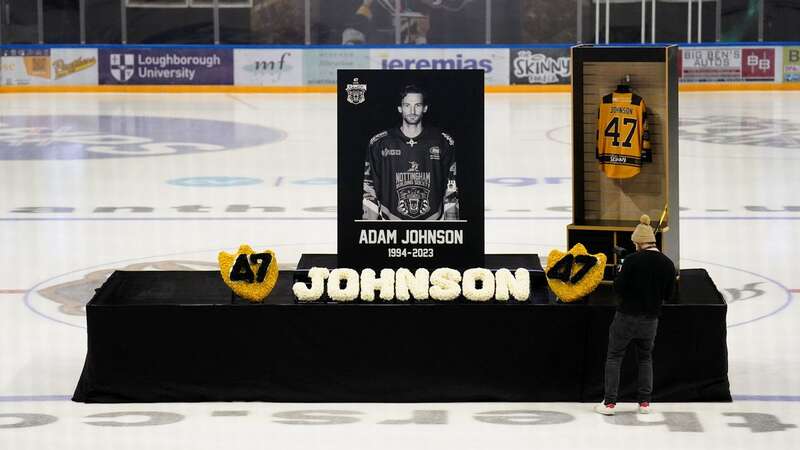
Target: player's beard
[(412, 119)]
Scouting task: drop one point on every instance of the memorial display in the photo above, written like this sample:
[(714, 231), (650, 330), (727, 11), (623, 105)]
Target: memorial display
[(410, 308)]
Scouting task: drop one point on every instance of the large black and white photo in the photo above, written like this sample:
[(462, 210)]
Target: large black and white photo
[(410, 170), (410, 167)]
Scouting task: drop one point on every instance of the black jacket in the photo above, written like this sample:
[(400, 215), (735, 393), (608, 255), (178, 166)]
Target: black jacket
[(407, 178), (646, 280)]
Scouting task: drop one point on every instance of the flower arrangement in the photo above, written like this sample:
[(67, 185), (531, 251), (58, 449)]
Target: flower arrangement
[(574, 274), (517, 285), (349, 292), (249, 274), (369, 284), (443, 284), (318, 276), (409, 284), (471, 279)]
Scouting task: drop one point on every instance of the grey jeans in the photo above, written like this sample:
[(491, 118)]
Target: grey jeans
[(628, 329)]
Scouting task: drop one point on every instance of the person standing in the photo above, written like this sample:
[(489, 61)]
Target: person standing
[(645, 281)]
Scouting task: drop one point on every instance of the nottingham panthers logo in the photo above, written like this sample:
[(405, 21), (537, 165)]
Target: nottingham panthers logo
[(355, 92), (413, 201)]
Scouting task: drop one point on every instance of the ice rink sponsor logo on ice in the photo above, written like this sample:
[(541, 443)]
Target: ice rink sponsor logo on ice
[(64, 297), (214, 181), (91, 137), (738, 130), (672, 421)]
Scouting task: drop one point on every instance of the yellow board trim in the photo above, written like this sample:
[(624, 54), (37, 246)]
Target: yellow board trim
[(573, 226), (544, 88), (700, 87), (518, 88), (173, 89), (239, 89)]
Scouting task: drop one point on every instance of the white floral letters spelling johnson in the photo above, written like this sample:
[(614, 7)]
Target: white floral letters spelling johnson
[(443, 284)]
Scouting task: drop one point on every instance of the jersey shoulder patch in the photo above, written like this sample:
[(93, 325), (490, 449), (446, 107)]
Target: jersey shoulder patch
[(449, 139), (378, 137)]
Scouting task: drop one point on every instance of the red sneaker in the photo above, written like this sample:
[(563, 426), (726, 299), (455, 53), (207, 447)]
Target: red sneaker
[(644, 407), (606, 409)]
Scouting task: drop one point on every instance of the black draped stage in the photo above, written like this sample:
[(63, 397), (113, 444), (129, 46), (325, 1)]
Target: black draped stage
[(182, 337)]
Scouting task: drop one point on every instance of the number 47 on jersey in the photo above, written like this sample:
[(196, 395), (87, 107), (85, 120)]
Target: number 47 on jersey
[(623, 139)]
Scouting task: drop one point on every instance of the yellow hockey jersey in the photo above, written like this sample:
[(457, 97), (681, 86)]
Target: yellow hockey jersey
[(623, 142)]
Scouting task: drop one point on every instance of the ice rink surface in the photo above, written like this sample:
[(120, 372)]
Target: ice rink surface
[(183, 176)]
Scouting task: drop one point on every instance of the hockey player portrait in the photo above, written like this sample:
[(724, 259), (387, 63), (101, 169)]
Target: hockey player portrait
[(410, 168), (410, 178)]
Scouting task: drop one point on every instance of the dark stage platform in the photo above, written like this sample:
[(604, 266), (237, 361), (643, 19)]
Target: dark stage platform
[(181, 337)]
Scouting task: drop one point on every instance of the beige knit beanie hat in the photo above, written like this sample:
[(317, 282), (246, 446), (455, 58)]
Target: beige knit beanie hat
[(643, 232)]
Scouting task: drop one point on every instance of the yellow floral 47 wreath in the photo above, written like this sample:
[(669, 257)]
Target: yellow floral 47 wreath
[(574, 274), (249, 274)]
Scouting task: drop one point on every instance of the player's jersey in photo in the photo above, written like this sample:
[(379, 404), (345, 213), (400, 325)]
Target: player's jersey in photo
[(410, 178), (623, 140)]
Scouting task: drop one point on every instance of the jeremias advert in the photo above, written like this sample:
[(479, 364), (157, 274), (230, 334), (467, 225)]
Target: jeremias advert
[(166, 66)]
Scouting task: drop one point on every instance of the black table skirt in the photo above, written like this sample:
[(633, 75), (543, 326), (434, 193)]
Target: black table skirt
[(182, 337)]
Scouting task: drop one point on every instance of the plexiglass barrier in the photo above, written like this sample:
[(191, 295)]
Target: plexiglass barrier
[(390, 22)]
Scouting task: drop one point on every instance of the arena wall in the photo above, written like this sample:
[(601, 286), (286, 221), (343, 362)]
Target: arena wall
[(296, 69)]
